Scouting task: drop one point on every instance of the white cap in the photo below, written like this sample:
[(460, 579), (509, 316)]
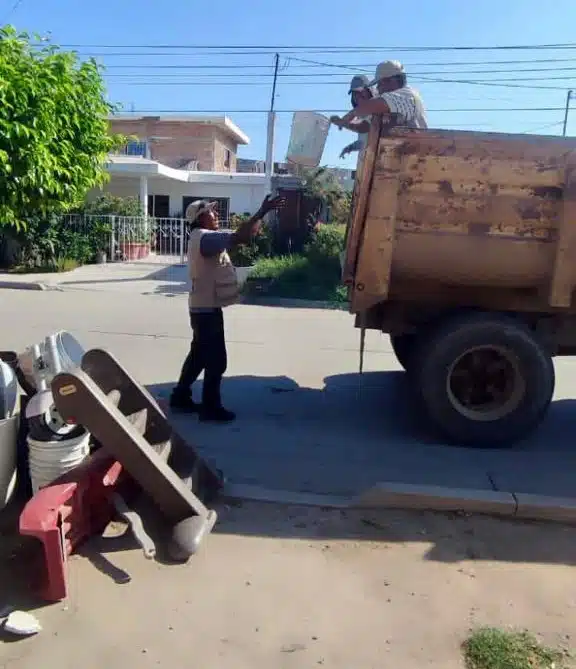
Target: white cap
[(387, 69), (194, 209)]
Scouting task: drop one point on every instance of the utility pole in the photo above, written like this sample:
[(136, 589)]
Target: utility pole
[(568, 98), (271, 127)]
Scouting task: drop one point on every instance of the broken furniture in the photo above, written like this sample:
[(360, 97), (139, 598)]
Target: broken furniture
[(137, 442)]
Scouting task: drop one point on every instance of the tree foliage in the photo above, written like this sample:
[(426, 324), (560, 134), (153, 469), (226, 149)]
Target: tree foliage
[(54, 135)]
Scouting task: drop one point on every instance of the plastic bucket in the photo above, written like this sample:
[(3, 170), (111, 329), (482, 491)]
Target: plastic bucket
[(307, 138), (50, 459)]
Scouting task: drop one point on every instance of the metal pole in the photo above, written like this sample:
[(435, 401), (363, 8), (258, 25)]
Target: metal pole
[(182, 238), (568, 98), (271, 125)]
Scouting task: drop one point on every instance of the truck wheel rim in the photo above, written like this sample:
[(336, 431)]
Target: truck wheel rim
[(485, 383)]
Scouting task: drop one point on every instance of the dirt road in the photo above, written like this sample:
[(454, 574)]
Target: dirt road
[(299, 587)]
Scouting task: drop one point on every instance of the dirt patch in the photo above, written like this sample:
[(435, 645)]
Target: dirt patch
[(304, 587)]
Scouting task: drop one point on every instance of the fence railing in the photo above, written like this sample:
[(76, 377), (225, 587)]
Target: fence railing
[(131, 238)]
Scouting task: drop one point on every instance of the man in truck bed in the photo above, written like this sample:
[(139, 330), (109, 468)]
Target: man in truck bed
[(395, 99)]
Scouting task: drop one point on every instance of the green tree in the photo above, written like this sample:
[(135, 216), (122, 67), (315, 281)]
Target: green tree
[(54, 135)]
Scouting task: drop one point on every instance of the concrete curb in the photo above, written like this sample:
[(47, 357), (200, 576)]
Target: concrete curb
[(420, 498), (24, 285)]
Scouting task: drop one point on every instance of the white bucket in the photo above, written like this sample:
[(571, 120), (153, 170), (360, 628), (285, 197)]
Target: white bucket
[(307, 138), (50, 459)]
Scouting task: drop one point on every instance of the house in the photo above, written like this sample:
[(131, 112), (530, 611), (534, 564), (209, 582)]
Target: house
[(173, 160), (205, 143)]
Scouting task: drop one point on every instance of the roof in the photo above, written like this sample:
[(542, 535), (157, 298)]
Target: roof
[(222, 122), (134, 166)]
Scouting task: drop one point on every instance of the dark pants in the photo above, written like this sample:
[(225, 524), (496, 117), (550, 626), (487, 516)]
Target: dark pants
[(208, 353)]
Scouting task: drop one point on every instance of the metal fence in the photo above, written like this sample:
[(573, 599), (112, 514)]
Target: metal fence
[(130, 238)]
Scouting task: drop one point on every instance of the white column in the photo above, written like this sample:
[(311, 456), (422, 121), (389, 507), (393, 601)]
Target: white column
[(270, 150), (144, 195), (144, 201)]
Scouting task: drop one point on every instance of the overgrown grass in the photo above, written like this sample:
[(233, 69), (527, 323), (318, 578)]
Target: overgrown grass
[(296, 277), (492, 648), (313, 275), (59, 265)]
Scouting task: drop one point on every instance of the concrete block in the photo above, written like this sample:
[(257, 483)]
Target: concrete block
[(544, 507), (436, 498)]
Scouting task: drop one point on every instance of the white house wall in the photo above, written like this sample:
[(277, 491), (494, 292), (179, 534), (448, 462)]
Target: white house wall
[(243, 197)]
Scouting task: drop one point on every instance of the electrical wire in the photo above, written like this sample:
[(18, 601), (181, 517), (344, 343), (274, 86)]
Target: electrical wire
[(12, 10), (326, 49), (290, 111)]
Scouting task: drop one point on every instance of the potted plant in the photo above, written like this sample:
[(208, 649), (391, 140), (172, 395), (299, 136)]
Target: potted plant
[(134, 242)]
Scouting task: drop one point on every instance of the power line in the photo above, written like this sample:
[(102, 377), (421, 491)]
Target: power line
[(326, 49), (290, 111), (12, 10), (353, 65), (322, 74)]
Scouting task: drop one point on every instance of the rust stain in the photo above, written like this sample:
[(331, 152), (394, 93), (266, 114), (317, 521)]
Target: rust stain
[(479, 229), (548, 192), (445, 187)]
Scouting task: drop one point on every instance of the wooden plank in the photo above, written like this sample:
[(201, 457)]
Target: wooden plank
[(562, 283), (361, 202), (539, 232), (527, 174), (519, 214), (375, 257), (504, 146)]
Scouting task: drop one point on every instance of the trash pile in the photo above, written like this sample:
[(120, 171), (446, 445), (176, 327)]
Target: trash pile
[(94, 440)]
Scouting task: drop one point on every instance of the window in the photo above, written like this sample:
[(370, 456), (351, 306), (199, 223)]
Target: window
[(223, 206), (159, 206), (227, 158), (136, 148)]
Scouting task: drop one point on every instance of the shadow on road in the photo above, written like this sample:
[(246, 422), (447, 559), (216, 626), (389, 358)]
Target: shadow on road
[(446, 537), (357, 431)]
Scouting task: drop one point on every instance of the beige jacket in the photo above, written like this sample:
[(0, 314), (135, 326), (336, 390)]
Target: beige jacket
[(213, 281)]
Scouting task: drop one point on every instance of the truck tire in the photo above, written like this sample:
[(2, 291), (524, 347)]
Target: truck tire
[(404, 346), (484, 379)]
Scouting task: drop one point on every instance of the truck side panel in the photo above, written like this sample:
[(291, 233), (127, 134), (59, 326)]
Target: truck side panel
[(457, 209)]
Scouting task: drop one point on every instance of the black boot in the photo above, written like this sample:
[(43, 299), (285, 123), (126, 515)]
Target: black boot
[(216, 414), (181, 401)]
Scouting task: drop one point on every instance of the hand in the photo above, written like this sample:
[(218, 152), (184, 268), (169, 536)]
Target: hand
[(337, 121), (271, 204), (345, 151)]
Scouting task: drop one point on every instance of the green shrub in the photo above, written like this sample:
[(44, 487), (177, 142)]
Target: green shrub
[(260, 247), (326, 244), (111, 205), (297, 277)]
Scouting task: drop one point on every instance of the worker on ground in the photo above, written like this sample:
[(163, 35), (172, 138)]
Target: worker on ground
[(213, 286), (359, 91), (400, 102)]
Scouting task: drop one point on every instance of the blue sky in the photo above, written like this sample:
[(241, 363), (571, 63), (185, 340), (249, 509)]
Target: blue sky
[(224, 82)]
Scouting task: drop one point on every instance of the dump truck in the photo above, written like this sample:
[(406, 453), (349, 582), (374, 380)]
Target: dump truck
[(461, 246)]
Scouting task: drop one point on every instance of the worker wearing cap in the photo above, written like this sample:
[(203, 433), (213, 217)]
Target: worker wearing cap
[(395, 98), (359, 91), (214, 285)]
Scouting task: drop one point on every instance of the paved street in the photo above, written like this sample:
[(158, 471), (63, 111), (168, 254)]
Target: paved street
[(307, 421)]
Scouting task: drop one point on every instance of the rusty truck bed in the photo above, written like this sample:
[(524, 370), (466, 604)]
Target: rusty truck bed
[(438, 212)]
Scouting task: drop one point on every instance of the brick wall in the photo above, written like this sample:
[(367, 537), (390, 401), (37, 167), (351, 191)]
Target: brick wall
[(188, 141)]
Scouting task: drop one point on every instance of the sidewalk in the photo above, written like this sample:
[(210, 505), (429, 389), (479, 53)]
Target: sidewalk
[(156, 275)]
